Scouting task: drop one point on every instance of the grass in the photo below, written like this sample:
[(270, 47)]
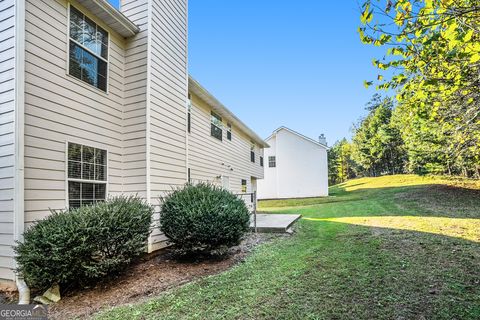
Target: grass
[(401, 247)]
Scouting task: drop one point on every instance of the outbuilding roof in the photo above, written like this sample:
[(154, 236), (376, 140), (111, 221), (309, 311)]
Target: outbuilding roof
[(297, 134)]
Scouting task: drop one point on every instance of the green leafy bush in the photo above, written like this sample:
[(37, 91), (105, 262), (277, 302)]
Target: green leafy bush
[(80, 246), (203, 219)]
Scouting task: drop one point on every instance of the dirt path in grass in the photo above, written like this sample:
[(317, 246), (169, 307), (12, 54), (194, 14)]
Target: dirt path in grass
[(148, 278)]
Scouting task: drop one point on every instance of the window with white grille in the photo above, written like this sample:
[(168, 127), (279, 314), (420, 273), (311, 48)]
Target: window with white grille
[(88, 50), (87, 175), (272, 162), (216, 126)]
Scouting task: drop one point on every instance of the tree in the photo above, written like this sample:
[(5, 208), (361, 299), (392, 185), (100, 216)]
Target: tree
[(434, 53), (341, 166), (377, 144)]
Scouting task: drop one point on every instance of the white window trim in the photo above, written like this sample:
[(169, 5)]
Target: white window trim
[(67, 179), (221, 127), (274, 161), (229, 130), (67, 70)]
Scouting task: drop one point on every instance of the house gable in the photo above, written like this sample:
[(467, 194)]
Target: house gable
[(298, 135)]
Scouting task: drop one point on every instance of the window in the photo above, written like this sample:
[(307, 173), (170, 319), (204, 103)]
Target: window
[(229, 132), (87, 175), (216, 126), (88, 50), (272, 162), (244, 186), (261, 161), (189, 176), (252, 153)]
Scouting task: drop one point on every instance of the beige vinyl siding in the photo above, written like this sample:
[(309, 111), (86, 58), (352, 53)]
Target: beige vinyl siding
[(167, 108), (210, 158), (134, 156), (61, 108), (7, 138)]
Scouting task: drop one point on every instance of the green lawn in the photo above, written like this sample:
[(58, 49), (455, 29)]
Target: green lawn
[(401, 247)]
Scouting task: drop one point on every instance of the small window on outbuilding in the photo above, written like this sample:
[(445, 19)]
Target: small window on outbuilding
[(272, 162)]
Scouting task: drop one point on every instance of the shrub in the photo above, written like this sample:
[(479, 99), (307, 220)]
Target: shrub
[(203, 219), (80, 246)]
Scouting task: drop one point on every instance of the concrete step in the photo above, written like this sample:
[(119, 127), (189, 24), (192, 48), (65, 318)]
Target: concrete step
[(274, 223)]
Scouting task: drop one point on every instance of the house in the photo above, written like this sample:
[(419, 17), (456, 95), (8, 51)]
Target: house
[(295, 166), (94, 102)]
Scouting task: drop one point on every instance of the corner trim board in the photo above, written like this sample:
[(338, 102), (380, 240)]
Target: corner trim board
[(18, 207)]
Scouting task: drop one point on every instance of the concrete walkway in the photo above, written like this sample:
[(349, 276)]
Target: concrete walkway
[(267, 222)]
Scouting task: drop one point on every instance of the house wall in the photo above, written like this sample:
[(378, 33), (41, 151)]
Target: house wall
[(301, 169), (7, 136), (61, 108), (267, 188), (135, 97), (140, 121), (166, 104), (210, 158)]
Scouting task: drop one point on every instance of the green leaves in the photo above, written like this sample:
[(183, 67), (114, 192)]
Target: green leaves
[(367, 14), (203, 219), (433, 54), (84, 245)]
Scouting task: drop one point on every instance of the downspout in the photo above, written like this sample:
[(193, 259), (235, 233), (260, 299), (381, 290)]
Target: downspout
[(148, 98), (23, 291), (18, 197)]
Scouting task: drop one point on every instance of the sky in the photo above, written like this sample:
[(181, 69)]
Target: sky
[(298, 64)]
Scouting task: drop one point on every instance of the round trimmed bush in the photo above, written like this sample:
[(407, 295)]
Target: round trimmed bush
[(80, 246), (203, 219)]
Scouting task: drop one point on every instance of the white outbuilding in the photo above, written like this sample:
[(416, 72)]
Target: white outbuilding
[(296, 166)]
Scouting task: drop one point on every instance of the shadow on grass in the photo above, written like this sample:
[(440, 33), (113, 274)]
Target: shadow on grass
[(332, 270), (367, 272)]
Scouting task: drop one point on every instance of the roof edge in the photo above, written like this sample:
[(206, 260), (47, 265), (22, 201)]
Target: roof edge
[(129, 28), (298, 134), (194, 84)]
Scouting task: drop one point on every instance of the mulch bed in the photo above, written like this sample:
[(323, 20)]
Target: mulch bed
[(151, 276)]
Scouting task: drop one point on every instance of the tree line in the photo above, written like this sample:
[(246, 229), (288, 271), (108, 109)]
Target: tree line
[(428, 121)]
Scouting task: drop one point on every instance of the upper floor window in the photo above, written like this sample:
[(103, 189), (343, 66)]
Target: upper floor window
[(87, 175), (229, 132), (261, 161), (216, 126), (88, 58), (252, 153), (272, 162)]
